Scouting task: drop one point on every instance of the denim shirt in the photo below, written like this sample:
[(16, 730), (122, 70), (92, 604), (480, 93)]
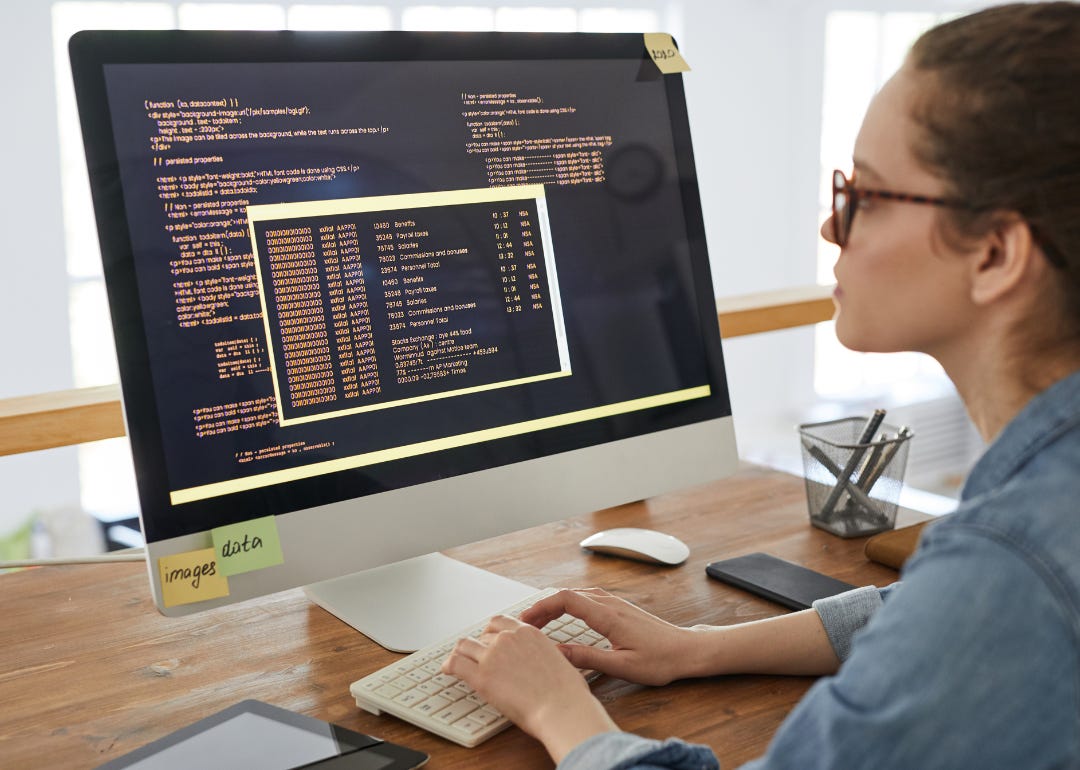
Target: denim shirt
[(973, 660)]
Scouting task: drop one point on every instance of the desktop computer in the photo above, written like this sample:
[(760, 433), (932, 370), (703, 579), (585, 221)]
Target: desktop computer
[(376, 295)]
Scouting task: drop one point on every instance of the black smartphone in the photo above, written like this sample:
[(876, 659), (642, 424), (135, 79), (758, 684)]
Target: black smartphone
[(776, 579)]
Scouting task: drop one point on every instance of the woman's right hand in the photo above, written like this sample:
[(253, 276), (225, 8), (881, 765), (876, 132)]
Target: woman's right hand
[(644, 648)]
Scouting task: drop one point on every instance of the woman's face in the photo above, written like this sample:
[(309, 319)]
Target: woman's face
[(898, 286)]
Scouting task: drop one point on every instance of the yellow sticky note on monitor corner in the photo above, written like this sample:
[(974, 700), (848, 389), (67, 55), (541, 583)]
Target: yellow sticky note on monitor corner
[(662, 50), (191, 577), (247, 546)]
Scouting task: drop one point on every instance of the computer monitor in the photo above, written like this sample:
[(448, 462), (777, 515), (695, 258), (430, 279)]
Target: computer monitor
[(375, 295)]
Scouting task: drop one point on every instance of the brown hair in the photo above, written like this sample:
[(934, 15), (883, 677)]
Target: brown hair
[(1000, 124)]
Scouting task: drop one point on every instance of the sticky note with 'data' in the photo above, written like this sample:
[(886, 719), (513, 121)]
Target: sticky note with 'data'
[(247, 546), (662, 50), (191, 577)]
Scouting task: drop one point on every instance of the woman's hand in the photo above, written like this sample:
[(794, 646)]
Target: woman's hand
[(524, 675), (645, 649)]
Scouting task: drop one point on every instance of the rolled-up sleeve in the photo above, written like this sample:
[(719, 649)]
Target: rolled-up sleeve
[(844, 614)]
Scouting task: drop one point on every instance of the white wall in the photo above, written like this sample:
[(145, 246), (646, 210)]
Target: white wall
[(755, 102), (33, 298), (34, 339)]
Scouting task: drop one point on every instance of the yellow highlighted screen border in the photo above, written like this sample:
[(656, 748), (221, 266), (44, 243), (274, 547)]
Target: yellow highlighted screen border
[(328, 207), (206, 491), (319, 208)]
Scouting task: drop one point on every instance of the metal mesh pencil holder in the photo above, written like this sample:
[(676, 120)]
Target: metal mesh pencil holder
[(852, 488)]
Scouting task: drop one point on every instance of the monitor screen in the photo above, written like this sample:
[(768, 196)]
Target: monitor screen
[(386, 288)]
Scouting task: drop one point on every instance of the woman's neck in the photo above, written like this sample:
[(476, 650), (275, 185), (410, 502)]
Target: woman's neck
[(996, 381)]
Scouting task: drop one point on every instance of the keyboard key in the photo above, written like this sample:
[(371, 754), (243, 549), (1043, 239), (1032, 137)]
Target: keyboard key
[(430, 687), (486, 716), (468, 725), (455, 711), (409, 697), (431, 705), (452, 693)]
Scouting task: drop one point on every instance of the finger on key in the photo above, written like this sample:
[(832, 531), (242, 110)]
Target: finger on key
[(459, 665), (582, 604), (502, 623), (468, 647)]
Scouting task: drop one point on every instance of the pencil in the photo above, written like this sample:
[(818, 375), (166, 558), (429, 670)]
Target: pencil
[(857, 453)]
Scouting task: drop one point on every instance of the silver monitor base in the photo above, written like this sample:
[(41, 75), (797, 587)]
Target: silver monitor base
[(410, 604)]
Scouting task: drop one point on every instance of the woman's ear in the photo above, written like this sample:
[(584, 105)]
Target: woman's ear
[(1003, 260)]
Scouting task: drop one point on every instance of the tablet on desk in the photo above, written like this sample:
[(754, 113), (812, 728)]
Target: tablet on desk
[(255, 734)]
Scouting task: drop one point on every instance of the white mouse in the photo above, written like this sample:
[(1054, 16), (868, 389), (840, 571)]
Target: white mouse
[(640, 544)]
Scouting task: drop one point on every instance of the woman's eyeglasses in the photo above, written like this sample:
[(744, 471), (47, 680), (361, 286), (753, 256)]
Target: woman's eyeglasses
[(846, 197), (845, 202)]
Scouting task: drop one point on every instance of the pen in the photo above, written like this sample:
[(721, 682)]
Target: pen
[(887, 456), (871, 463), (858, 495), (867, 436)]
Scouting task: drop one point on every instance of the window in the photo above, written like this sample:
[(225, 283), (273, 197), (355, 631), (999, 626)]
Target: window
[(341, 17)]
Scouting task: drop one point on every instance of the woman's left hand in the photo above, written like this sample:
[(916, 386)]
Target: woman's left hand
[(523, 674)]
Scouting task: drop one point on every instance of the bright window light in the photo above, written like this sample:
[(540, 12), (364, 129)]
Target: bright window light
[(898, 32), (339, 17), (80, 231), (230, 16), (107, 479), (536, 20), (460, 18), (878, 42), (618, 20), (92, 353)]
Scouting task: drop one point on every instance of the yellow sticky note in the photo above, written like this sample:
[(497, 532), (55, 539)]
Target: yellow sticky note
[(663, 51), (191, 577), (247, 546)]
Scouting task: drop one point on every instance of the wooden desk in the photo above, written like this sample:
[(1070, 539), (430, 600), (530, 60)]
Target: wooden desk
[(89, 670)]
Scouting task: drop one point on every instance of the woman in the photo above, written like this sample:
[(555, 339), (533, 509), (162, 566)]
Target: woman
[(960, 238)]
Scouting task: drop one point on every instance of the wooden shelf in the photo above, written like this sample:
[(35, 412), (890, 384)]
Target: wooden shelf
[(769, 311), (65, 418)]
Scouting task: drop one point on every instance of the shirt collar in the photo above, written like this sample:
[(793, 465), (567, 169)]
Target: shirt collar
[(1046, 417)]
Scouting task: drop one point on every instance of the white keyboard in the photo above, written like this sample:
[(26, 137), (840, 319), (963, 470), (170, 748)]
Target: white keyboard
[(415, 689)]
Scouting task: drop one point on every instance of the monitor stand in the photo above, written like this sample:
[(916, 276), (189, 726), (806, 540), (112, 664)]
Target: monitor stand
[(410, 604)]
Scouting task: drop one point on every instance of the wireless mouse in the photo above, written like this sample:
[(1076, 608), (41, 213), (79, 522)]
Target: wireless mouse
[(646, 545)]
